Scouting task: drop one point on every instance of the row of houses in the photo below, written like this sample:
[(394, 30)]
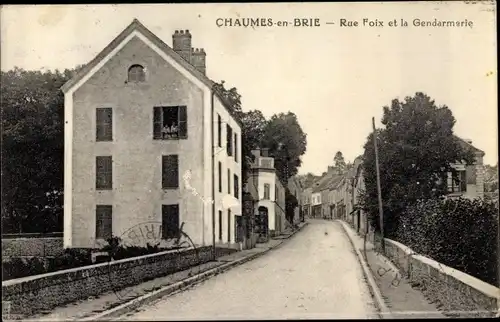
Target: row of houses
[(148, 138), (336, 193)]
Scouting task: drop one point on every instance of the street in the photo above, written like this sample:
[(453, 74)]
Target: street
[(315, 274)]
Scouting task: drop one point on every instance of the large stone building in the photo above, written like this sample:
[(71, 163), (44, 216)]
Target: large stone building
[(147, 139)]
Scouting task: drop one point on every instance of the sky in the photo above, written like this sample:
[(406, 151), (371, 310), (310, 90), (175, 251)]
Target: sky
[(334, 78)]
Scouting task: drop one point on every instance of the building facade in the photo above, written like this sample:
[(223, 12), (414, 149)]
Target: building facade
[(147, 139), (265, 187), (295, 188), (471, 177), (307, 202)]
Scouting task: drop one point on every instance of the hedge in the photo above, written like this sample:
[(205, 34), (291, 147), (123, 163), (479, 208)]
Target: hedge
[(460, 233)]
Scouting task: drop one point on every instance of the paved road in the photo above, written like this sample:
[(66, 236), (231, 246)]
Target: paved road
[(315, 274)]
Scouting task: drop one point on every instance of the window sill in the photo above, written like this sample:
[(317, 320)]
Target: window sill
[(171, 139), (102, 140), (103, 189), (169, 188)]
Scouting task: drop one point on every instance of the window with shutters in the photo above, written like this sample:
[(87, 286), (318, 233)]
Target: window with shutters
[(228, 181), (219, 131), (220, 177), (235, 147), (170, 221), (170, 171), (457, 186), (170, 122), (136, 74), (104, 222), (104, 173), (267, 191), (104, 124), (236, 187), (229, 140)]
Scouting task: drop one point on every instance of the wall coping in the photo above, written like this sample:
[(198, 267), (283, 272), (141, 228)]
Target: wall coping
[(76, 269), (481, 286)]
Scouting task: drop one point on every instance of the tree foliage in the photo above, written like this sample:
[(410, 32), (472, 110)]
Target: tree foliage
[(281, 134), (33, 146), (286, 142), (416, 148), (339, 161)]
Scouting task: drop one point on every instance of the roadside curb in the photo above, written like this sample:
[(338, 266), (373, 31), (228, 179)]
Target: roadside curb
[(384, 312), (150, 297)]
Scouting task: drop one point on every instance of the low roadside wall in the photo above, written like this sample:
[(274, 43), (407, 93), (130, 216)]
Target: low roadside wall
[(29, 295), (459, 293)]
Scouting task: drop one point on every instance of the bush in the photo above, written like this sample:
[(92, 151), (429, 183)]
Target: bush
[(118, 251), (459, 233)]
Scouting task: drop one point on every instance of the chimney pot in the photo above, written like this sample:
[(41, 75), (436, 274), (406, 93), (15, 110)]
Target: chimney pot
[(181, 44)]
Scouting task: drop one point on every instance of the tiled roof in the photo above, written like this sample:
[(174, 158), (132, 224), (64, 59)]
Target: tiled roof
[(465, 145), (327, 181), (137, 25)]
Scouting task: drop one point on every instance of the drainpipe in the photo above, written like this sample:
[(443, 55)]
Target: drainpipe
[(213, 169)]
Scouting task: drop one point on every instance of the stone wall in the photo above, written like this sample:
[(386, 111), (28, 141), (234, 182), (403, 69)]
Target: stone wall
[(458, 293), (36, 247), (33, 294)]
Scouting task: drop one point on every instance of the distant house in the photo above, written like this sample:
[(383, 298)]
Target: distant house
[(321, 193), (295, 188), (359, 218), (471, 177), (306, 197), (337, 197), (265, 187), (139, 117)]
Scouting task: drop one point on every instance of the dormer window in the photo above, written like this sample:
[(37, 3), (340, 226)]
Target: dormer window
[(136, 73)]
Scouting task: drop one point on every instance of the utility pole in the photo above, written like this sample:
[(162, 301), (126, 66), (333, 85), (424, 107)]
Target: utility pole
[(379, 192)]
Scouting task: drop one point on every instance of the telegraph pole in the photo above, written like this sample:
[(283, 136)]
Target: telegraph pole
[(379, 192)]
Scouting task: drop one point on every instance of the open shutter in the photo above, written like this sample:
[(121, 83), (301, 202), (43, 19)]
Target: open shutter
[(183, 122), (157, 122), (463, 181)]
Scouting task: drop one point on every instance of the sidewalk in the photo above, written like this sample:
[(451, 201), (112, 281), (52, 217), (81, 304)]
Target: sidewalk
[(402, 301), (111, 303)]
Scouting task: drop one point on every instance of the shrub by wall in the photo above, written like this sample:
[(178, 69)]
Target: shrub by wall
[(460, 233), (17, 267)]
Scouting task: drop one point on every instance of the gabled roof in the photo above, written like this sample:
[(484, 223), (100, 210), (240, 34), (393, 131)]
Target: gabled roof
[(336, 182), (136, 25), (466, 145), (326, 181)]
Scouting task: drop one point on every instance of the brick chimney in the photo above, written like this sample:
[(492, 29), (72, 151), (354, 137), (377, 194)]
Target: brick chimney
[(265, 152), (181, 43), (198, 59)]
